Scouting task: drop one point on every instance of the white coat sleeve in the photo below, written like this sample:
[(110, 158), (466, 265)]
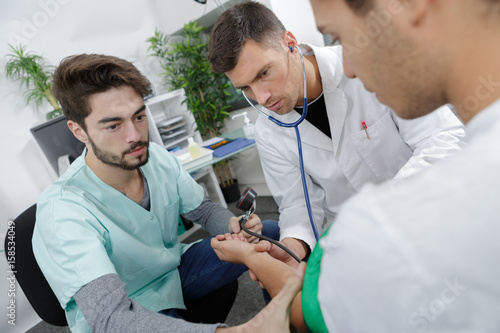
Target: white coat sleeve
[(283, 178), (433, 137)]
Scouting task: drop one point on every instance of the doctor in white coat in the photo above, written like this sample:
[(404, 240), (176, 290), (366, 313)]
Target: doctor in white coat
[(349, 138)]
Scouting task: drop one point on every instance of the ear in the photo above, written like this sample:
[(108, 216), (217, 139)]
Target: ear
[(289, 39), (77, 131)]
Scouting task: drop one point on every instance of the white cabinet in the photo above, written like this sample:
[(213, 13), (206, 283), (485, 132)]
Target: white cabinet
[(170, 126), (170, 122)]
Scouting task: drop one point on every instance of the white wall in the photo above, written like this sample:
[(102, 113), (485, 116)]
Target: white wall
[(59, 28)]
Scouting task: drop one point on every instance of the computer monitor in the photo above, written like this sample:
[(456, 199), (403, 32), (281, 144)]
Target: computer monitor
[(56, 140)]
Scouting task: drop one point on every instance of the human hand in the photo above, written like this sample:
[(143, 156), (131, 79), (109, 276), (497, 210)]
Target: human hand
[(298, 247), (253, 224), (232, 248), (228, 236)]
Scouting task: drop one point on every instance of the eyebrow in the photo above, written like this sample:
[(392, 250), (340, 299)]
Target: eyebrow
[(111, 119), (256, 76)]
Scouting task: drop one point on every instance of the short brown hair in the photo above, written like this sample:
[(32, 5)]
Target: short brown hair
[(249, 20), (80, 76)]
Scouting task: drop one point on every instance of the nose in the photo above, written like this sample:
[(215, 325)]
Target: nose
[(348, 70), (261, 94), (132, 133)]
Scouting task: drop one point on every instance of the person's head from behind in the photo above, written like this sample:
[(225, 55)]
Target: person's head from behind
[(409, 52), (102, 99), (251, 45)]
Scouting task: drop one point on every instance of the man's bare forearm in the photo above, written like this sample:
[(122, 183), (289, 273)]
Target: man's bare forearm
[(297, 246), (273, 274)]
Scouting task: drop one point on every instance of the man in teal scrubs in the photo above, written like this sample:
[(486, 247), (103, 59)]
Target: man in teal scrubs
[(106, 232)]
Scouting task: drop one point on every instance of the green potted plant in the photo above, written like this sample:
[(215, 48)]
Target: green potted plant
[(35, 75), (186, 66)]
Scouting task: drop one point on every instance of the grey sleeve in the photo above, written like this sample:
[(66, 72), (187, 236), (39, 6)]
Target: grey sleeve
[(212, 217), (107, 308)]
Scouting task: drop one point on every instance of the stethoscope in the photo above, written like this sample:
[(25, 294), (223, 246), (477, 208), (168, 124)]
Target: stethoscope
[(299, 144)]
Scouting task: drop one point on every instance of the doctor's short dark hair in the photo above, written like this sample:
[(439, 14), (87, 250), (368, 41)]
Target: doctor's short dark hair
[(78, 77), (235, 26)]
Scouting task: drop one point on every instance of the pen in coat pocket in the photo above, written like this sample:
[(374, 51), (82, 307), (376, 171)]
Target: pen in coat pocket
[(363, 124)]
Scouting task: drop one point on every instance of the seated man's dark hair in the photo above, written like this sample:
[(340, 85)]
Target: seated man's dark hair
[(80, 76)]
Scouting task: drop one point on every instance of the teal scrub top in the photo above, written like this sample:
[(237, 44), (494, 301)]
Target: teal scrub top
[(86, 229)]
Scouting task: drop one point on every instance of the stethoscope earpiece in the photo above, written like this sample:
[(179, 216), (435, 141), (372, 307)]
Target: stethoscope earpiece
[(291, 48)]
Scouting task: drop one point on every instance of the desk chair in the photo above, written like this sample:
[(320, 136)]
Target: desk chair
[(211, 308), (29, 276)]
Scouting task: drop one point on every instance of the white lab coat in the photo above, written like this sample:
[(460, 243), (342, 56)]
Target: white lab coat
[(337, 168)]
